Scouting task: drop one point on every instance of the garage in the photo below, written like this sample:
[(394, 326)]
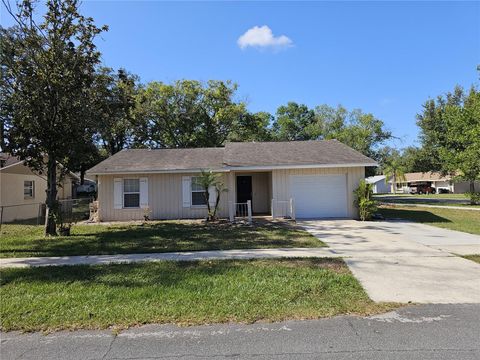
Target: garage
[(319, 196)]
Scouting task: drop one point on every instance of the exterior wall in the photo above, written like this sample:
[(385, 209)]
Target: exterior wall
[(380, 187), (281, 182), (165, 199), (11, 192)]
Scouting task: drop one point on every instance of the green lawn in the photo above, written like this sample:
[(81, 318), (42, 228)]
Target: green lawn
[(475, 257), (159, 236), (425, 196), (461, 220), (122, 295)]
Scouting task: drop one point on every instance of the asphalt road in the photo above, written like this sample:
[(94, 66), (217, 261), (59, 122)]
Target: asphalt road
[(417, 332)]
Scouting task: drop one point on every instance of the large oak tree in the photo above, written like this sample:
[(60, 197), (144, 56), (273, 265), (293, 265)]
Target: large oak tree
[(51, 67)]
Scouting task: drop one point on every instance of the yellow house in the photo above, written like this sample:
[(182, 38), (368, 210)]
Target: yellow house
[(23, 191)]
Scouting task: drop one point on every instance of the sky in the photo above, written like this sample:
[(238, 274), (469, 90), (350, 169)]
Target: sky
[(386, 58)]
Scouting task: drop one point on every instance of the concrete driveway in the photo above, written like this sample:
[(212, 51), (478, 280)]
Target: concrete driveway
[(404, 261)]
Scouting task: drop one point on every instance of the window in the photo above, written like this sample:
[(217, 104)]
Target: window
[(131, 193), (28, 189), (198, 193)]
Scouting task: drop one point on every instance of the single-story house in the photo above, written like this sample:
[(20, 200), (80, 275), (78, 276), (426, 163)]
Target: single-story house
[(23, 190), (436, 180), (379, 184), (319, 177)]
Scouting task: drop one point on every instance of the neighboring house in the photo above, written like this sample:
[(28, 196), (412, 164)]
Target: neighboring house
[(435, 180), (22, 190), (379, 184), (320, 177)]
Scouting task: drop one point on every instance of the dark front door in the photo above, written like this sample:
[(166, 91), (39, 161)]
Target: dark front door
[(244, 189)]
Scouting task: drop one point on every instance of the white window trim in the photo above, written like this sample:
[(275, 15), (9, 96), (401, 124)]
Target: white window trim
[(32, 188), (130, 192), (192, 181)]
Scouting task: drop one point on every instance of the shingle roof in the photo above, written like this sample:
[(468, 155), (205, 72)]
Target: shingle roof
[(427, 176), (144, 160), (314, 152), (8, 159), (327, 152)]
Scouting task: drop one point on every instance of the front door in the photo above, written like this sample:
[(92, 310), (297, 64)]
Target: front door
[(244, 189)]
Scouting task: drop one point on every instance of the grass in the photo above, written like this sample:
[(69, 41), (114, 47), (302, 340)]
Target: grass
[(461, 220), (434, 199), (187, 293), (159, 236), (475, 257)]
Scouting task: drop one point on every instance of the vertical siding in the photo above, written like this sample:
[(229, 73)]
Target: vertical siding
[(164, 199), (281, 182)]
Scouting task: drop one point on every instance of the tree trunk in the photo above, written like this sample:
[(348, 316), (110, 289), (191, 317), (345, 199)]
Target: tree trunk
[(394, 184), (82, 175), (472, 192), (50, 225)]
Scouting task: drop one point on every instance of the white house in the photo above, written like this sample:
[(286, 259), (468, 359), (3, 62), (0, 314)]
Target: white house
[(379, 184)]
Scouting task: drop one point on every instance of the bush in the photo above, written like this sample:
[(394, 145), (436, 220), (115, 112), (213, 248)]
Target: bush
[(474, 197), (364, 200)]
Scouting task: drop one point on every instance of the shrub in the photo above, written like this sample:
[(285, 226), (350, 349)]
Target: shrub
[(474, 197), (364, 201)]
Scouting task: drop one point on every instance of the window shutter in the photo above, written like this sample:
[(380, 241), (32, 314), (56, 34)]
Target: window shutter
[(143, 192), (212, 195), (117, 193), (186, 190)]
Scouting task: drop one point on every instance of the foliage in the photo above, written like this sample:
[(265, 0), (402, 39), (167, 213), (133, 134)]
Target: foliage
[(394, 171), (114, 108), (211, 181), (48, 74), (474, 197), (364, 200), (359, 130), (450, 133), (189, 113)]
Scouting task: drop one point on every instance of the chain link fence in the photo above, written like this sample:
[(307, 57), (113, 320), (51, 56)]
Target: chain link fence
[(71, 211)]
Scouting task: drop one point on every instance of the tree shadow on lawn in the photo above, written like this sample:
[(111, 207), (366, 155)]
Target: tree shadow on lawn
[(413, 215), (187, 274), (163, 237)]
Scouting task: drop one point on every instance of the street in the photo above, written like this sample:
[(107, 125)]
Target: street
[(415, 332)]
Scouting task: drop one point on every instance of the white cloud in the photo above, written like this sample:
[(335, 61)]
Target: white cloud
[(262, 37)]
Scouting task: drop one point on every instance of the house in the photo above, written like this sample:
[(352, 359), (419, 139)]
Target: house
[(435, 180), (23, 190), (318, 176), (379, 184)]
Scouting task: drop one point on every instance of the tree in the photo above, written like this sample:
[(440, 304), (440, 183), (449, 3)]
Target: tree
[(295, 122), (450, 134), (364, 200), (209, 180), (394, 171), (460, 152), (189, 113), (114, 108), (52, 72)]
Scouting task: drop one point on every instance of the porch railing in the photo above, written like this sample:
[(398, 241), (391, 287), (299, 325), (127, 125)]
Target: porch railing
[(240, 211), (283, 208)]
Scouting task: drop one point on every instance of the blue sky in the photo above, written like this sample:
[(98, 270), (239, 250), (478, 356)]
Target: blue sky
[(386, 58)]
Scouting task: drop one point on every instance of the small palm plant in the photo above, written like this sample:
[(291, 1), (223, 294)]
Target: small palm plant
[(394, 171), (364, 200), (210, 180)]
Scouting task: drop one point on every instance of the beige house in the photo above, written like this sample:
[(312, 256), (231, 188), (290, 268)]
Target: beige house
[(23, 191), (312, 179), (437, 181)]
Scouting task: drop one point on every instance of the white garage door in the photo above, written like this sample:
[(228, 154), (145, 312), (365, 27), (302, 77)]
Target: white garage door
[(319, 196)]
